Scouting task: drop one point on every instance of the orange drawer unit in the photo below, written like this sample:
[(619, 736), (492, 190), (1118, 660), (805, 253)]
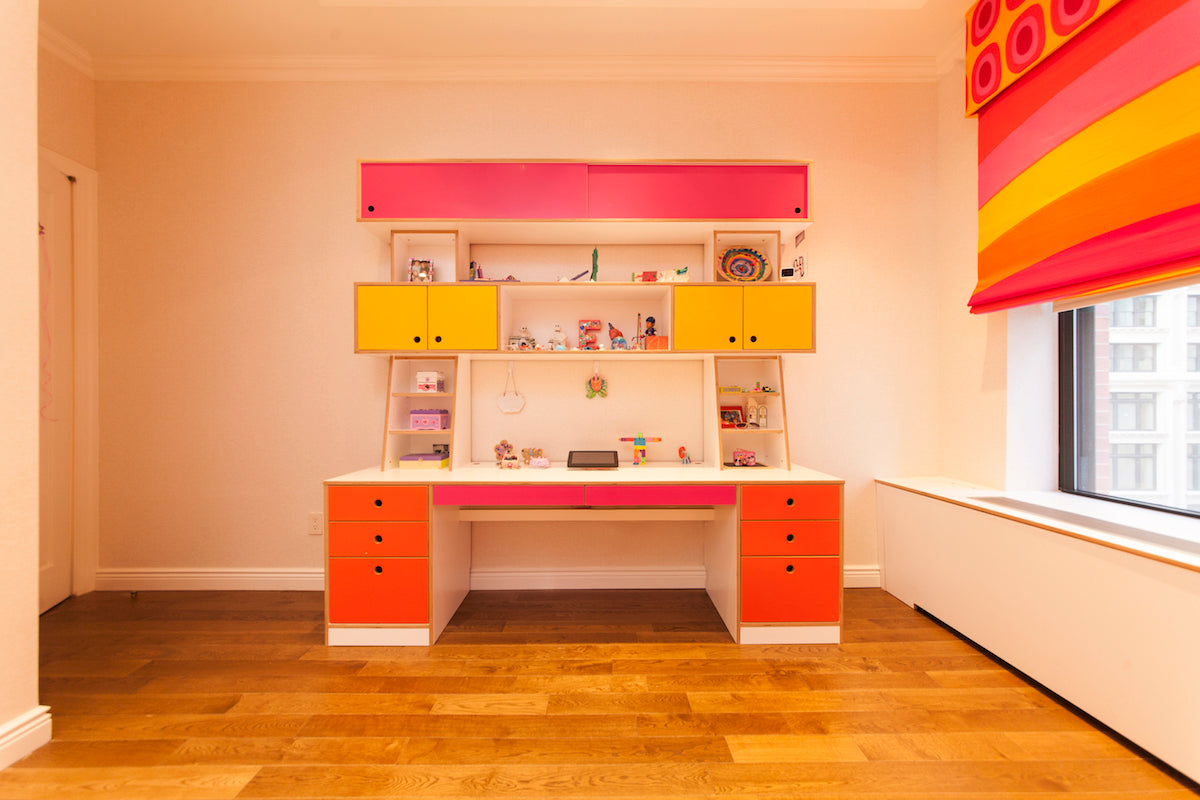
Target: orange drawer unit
[(377, 555), (790, 554)]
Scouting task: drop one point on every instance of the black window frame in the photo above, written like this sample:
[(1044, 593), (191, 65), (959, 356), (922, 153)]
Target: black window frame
[(1077, 456)]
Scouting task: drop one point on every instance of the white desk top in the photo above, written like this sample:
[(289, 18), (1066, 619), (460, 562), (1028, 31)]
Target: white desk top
[(558, 473)]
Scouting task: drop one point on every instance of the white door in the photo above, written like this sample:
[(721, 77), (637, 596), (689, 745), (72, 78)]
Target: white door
[(56, 381)]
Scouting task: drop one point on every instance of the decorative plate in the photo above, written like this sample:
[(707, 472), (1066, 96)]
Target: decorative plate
[(743, 264)]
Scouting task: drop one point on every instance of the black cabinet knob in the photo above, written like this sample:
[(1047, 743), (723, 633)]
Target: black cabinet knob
[(378, 538), (732, 339), (791, 537), (378, 503), (417, 339), (372, 208), (790, 568), (799, 210), (379, 570), (791, 501), (754, 338), (437, 338)]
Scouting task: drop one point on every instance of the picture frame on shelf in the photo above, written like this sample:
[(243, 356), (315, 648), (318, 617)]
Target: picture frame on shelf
[(732, 416)]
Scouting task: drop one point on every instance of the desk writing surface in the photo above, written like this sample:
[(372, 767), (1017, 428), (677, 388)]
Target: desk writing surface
[(559, 474)]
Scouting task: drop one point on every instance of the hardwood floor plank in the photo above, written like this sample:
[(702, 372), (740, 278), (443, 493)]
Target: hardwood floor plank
[(594, 750), (794, 749), (126, 783)]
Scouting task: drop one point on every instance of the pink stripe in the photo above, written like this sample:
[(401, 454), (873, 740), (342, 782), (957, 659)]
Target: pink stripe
[(721, 495), (506, 495), (1160, 240), (1161, 52)]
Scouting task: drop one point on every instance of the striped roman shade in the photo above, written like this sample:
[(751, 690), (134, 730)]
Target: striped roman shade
[(1089, 164)]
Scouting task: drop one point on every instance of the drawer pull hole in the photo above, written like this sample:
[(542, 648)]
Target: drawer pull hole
[(437, 338), (378, 503), (379, 570), (378, 538), (754, 338), (790, 568), (791, 501), (791, 537), (417, 339)]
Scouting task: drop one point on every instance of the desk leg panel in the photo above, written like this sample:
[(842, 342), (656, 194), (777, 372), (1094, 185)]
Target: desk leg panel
[(449, 564), (721, 565)]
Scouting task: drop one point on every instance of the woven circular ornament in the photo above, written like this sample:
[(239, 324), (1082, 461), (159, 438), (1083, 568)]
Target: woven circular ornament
[(743, 264)]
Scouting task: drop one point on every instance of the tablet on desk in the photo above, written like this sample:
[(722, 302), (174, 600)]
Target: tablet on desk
[(592, 459)]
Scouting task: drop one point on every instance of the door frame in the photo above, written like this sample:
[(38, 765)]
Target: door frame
[(85, 463)]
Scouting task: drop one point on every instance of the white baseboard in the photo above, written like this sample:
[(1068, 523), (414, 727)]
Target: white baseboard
[(862, 576), (866, 576), (613, 578), (138, 579), (22, 735)]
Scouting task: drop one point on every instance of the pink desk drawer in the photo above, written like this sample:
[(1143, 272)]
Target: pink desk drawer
[(664, 495), (506, 495)]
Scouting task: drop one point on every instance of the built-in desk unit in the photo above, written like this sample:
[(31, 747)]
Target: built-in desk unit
[(495, 267)]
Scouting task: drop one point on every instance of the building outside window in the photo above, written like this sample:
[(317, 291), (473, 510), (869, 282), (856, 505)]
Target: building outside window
[(1133, 411), (1134, 357), (1134, 312), (1130, 405)]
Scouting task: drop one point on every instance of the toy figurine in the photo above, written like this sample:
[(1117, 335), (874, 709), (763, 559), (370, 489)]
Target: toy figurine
[(595, 264), (649, 327), (684, 458), (503, 449), (743, 458), (510, 461), (617, 338), (558, 339), (639, 446)]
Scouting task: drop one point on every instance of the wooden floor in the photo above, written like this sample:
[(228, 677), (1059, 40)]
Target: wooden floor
[(583, 694)]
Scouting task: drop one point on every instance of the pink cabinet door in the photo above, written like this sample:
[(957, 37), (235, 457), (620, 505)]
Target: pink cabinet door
[(472, 190), (698, 191)]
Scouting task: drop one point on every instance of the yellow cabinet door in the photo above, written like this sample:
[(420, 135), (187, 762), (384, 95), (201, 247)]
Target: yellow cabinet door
[(462, 317), (707, 318), (389, 317), (779, 317)]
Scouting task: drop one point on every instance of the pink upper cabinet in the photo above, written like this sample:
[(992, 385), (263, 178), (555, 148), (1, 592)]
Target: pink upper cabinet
[(698, 191), (472, 190)]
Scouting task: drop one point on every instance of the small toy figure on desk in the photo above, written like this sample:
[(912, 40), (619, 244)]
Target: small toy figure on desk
[(684, 458), (618, 338), (558, 339), (651, 340), (639, 446), (744, 458), (505, 458)]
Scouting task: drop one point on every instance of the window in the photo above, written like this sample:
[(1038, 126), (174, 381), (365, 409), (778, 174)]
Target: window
[(1129, 401), (1134, 357), (1134, 312), (1194, 467), (1134, 467), (1133, 411)]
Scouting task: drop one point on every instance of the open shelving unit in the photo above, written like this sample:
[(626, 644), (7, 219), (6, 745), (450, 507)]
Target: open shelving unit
[(404, 397), (753, 385)]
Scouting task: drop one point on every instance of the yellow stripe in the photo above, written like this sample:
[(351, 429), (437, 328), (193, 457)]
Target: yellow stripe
[(1155, 120)]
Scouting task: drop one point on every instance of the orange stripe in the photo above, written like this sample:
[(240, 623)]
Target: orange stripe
[(1155, 184)]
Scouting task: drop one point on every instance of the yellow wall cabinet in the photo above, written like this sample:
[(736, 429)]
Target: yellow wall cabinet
[(391, 317), (737, 317)]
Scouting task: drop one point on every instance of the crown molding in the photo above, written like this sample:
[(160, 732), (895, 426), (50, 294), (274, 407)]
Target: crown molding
[(551, 69), (66, 49)]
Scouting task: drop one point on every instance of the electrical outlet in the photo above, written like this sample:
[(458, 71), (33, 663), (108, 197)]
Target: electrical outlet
[(316, 523)]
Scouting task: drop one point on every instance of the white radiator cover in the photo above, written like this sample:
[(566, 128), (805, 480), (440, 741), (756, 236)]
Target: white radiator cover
[(1114, 633)]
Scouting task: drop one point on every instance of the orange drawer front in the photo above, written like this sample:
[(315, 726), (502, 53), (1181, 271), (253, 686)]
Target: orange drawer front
[(379, 590), (792, 501), (783, 589), (806, 537), (369, 502), (378, 539)]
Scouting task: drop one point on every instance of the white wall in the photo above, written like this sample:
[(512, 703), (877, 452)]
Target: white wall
[(228, 249), (23, 725)]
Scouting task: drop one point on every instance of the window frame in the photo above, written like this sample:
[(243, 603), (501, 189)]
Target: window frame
[(1076, 347)]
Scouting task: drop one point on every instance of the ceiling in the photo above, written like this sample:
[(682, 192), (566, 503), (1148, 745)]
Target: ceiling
[(118, 39)]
